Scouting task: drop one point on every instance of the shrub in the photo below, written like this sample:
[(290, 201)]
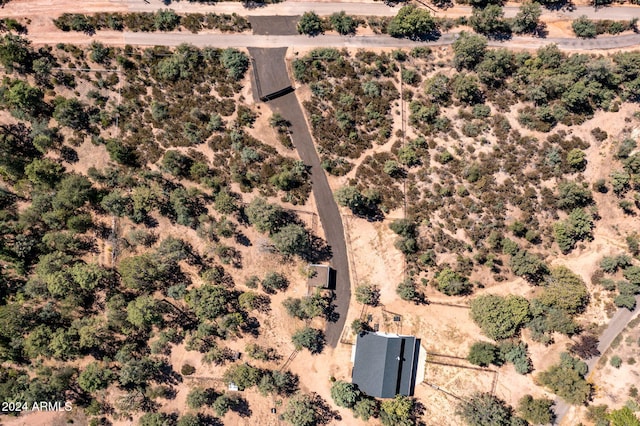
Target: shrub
[(615, 361), (236, 62), (500, 317), (452, 284), (583, 27), (566, 379), (187, 370), (483, 354), (368, 294), (309, 338), (484, 409), (274, 281), (343, 23), (536, 411), (310, 24)]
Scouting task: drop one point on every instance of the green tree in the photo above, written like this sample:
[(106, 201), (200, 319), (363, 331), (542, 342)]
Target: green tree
[(154, 419), (465, 88), (191, 420), (70, 113), (345, 394), (469, 50), (500, 317), (292, 239), (529, 266), (577, 227), (210, 302), (24, 98), (166, 20), (565, 290), (176, 163), (411, 22), (73, 192), (485, 409), (310, 24), (44, 172), (583, 27), (307, 307), (236, 62), (264, 216), (143, 312), (309, 338), (15, 52), (399, 411), (576, 158), (95, 377), (526, 20), (343, 23), (572, 195), (452, 283), (278, 383), (437, 88), (483, 354), (366, 408), (274, 281), (368, 294), (623, 417), (140, 272), (489, 20), (566, 379), (615, 361), (243, 375), (536, 411), (306, 410), (407, 291)]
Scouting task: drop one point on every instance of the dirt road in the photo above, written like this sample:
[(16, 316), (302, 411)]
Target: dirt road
[(371, 8), (368, 41)]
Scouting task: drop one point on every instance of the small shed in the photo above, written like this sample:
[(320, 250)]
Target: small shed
[(322, 277)]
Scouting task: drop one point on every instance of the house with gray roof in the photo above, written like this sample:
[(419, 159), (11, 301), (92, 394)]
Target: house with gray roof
[(386, 365)]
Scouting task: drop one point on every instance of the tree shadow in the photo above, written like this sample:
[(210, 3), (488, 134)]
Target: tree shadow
[(166, 374), (319, 251), (432, 36), (560, 5), (241, 407), (242, 239), (325, 414), (330, 313)]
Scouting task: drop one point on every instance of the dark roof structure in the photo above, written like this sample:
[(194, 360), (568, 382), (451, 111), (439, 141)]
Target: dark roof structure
[(322, 277), (385, 364)]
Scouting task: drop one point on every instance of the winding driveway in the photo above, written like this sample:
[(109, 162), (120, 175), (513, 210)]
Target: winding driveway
[(270, 76), (616, 325)]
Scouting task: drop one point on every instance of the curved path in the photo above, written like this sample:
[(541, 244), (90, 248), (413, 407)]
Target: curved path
[(270, 74), (616, 325)]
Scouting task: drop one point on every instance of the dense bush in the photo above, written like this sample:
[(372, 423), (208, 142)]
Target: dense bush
[(566, 379), (411, 22), (500, 317), (161, 20)]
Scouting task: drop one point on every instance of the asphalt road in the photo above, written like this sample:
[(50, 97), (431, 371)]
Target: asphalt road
[(368, 41), (270, 73), (272, 67), (617, 323)]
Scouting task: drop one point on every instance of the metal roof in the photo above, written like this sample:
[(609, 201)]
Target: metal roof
[(385, 364)]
